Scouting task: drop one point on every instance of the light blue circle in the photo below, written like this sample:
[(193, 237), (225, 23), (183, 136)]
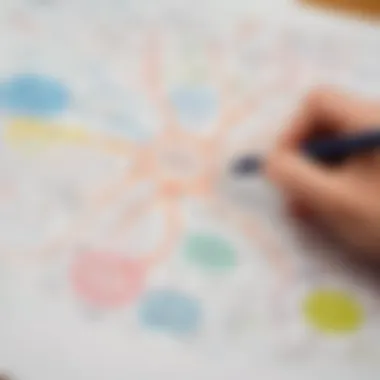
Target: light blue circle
[(34, 95), (195, 103), (170, 311), (128, 127)]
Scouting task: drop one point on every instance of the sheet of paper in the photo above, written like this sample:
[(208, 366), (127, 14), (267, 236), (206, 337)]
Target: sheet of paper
[(129, 249)]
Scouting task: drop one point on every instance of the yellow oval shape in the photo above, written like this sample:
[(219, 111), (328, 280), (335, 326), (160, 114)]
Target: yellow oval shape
[(35, 132), (332, 311)]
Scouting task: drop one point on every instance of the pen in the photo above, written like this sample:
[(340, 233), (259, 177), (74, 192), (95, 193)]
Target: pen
[(328, 151)]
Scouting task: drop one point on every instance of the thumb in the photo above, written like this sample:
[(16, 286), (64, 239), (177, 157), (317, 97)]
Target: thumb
[(300, 178)]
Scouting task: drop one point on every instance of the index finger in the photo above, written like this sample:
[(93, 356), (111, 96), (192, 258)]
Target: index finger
[(327, 110)]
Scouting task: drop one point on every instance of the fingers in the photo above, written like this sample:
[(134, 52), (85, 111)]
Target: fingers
[(319, 196), (299, 209), (299, 177), (327, 110), (343, 198), (302, 179)]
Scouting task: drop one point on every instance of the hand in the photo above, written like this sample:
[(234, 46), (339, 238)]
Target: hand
[(344, 199)]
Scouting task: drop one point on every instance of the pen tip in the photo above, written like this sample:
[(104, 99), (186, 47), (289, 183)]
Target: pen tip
[(246, 165)]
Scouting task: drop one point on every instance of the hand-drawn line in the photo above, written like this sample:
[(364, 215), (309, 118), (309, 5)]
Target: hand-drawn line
[(181, 165)]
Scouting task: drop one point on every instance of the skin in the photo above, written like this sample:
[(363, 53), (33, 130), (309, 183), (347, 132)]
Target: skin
[(343, 199)]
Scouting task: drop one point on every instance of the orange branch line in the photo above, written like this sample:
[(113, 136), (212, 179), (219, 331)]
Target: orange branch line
[(132, 216), (114, 145), (251, 229), (276, 258), (235, 116), (220, 79), (153, 83), (117, 188), (91, 210), (174, 225)]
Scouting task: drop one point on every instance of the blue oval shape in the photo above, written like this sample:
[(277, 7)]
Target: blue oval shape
[(170, 311), (33, 94), (195, 103)]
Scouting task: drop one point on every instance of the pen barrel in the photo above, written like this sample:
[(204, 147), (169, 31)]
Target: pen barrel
[(337, 149)]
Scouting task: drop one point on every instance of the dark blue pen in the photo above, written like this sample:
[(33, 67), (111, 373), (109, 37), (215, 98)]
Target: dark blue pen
[(328, 150)]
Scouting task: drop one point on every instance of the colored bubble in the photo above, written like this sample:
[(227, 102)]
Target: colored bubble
[(195, 103), (210, 252), (107, 280), (127, 126), (33, 135), (331, 311), (170, 311), (32, 94)]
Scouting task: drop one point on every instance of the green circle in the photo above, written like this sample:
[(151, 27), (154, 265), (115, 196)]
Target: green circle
[(210, 252), (332, 311)]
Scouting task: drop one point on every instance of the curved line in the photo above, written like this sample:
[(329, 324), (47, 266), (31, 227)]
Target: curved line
[(152, 59), (130, 218), (114, 191), (252, 229), (234, 116), (173, 229), (115, 145), (221, 82), (117, 188), (271, 248), (217, 66), (201, 186), (200, 148), (228, 116), (231, 116)]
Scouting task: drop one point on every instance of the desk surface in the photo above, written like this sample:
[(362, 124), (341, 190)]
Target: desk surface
[(359, 7)]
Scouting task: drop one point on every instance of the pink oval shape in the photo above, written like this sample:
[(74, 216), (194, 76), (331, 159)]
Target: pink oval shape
[(107, 279)]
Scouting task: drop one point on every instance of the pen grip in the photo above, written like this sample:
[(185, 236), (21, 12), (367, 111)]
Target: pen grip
[(337, 149)]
